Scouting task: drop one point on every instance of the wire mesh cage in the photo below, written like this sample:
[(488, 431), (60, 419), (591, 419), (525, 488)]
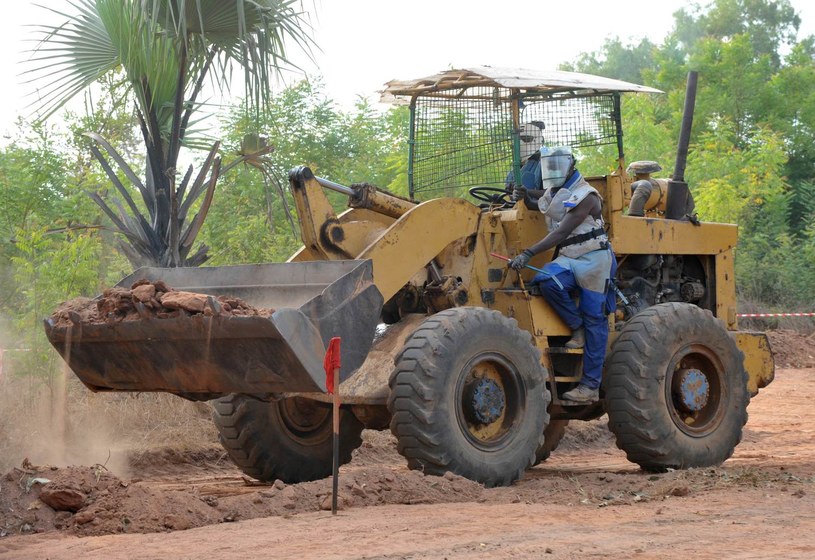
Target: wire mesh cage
[(468, 137), (575, 121), (460, 142)]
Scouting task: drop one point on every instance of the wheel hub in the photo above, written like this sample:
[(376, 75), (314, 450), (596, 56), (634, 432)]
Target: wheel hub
[(486, 402), (302, 416), (694, 389)]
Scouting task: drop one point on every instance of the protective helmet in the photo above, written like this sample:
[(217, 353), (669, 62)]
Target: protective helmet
[(557, 165), (531, 138)]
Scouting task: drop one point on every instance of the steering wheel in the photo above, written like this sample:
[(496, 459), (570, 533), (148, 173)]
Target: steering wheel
[(492, 196)]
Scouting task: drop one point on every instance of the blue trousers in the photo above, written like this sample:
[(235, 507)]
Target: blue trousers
[(556, 287)]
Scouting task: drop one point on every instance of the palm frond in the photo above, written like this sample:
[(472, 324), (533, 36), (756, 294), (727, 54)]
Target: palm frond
[(250, 34), (131, 175), (133, 238), (70, 57), (188, 237), (198, 185), (101, 37)]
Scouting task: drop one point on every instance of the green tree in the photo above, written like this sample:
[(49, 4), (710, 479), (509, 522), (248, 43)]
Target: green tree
[(791, 111), (165, 51), (769, 24), (44, 258), (752, 158), (733, 84), (48, 270), (248, 219), (742, 185), (32, 183), (617, 60)]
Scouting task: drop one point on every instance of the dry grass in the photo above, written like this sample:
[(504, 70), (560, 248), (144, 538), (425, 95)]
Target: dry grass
[(60, 422)]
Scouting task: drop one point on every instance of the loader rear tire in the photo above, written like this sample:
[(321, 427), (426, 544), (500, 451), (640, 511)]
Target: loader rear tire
[(551, 439), (468, 395), (290, 439), (676, 389)]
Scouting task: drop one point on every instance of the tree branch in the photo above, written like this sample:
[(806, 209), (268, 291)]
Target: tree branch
[(197, 187), (199, 84), (178, 103), (152, 163), (192, 231), (159, 173), (148, 232)]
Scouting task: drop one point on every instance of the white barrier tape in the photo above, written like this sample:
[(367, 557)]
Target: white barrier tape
[(775, 314)]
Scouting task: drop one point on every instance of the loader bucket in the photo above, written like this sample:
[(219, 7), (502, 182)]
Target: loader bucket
[(201, 357)]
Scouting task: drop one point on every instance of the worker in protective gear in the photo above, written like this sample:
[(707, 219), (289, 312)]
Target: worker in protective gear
[(531, 137), (584, 262)]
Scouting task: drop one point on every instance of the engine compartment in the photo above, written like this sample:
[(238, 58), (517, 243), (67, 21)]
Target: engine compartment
[(646, 280)]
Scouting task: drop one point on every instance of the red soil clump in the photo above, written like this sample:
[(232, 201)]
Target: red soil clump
[(149, 300)]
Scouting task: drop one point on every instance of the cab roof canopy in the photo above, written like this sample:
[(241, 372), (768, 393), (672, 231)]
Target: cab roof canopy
[(466, 123), (457, 81)]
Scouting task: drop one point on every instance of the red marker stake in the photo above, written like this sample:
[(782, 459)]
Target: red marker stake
[(332, 385)]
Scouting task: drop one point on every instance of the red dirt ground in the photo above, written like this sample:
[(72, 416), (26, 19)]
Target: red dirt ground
[(585, 501)]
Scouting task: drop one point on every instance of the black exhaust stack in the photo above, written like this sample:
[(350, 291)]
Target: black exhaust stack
[(677, 201)]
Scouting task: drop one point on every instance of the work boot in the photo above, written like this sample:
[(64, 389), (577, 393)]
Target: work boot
[(582, 394), (578, 339)]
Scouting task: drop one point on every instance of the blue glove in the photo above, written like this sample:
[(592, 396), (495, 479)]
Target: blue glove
[(519, 262)]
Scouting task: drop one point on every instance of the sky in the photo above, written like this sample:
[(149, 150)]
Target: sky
[(365, 43)]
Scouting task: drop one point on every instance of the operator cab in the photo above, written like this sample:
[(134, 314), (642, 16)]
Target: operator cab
[(474, 131)]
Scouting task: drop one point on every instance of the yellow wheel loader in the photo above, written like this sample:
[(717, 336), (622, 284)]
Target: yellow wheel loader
[(457, 354)]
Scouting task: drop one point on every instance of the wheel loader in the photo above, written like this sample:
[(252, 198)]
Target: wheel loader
[(458, 355)]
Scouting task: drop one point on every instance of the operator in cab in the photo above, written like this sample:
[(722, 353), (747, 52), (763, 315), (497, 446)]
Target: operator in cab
[(531, 138), (584, 262)]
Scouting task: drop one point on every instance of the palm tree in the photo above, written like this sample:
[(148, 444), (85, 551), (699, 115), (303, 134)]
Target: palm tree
[(165, 52)]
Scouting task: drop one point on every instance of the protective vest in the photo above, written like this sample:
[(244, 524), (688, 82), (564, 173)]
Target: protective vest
[(554, 207)]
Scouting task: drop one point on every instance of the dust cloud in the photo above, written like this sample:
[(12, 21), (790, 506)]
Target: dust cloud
[(44, 421)]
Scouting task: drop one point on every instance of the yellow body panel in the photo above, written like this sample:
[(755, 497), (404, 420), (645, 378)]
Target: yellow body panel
[(532, 313), (460, 240), (758, 359), (416, 238), (726, 289), (632, 235)]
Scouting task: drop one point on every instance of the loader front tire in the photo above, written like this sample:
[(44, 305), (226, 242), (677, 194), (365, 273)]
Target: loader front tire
[(676, 389), (289, 439), (468, 395)]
